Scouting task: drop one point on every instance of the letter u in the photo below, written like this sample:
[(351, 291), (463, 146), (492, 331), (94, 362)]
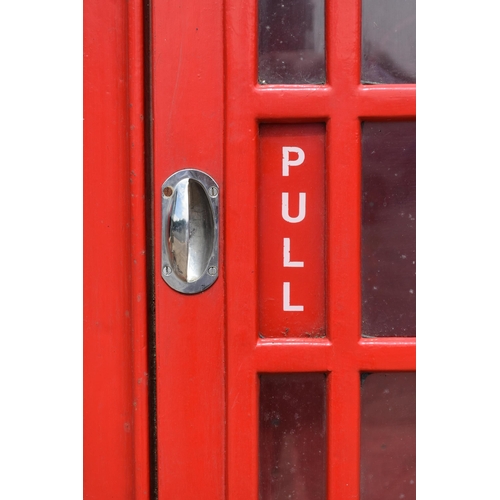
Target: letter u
[(285, 209)]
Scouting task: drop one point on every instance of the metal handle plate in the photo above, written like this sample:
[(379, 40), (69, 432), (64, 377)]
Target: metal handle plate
[(190, 231)]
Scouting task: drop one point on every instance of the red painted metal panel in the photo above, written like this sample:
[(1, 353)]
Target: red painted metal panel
[(187, 65), (291, 181), (116, 451)]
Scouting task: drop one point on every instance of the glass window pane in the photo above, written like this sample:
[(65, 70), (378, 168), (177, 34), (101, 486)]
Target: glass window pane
[(388, 28), (388, 436), (388, 285), (291, 41), (292, 436)]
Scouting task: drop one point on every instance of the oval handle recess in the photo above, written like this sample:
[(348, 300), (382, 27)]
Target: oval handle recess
[(190, 231)]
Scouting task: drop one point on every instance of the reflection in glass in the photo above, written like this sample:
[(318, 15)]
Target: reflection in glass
[(291, 41), (388, 286), (388, 436), (292, 436), (389, 35)]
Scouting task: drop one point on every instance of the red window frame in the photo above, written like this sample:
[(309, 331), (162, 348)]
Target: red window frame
[(343, 103)]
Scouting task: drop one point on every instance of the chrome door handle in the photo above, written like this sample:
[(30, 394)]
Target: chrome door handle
[(190, 231)]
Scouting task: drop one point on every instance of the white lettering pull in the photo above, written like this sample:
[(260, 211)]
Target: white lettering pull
[(302, 208), (286, 299), (286, 255), (292, 163)]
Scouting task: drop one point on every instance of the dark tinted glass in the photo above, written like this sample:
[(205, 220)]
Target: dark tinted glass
[(388, 229), (388, 41), (388, 436), (292, 437), (291, 41)]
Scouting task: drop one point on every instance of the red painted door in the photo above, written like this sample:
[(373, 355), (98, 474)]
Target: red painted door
[(311, 147)]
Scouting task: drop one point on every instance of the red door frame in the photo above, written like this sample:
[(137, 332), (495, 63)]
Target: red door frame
[(116, 454)]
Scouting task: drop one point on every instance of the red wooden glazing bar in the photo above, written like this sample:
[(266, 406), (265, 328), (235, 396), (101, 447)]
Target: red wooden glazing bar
[(343, 437), (187, 65), (288, 356), (395, 354), (343, 45), (241, 251), (306, 103), (116, 451), (386, 101), (297, 103), (344, 306)]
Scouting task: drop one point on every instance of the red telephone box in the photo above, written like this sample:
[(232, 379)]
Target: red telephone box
[(279, 377)]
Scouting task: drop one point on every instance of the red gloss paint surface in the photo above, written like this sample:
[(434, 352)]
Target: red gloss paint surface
[(292, 231), (115, 366)]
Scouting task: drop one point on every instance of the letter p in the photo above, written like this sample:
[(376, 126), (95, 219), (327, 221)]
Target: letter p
[(292, 163)]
